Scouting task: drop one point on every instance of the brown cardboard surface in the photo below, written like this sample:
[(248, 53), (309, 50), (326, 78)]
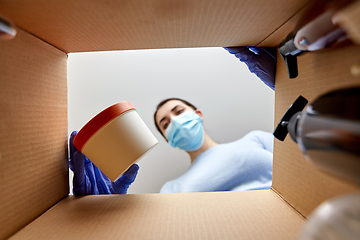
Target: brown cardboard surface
[(33, 120), (303, 186), (82, 25), (33, 130), (280, 34), (216, 215), (349, 17)]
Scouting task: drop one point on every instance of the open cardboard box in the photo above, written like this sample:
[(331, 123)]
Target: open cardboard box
[(34, 201)]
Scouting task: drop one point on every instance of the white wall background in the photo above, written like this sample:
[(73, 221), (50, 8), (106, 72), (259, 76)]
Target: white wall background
[(233, 100)]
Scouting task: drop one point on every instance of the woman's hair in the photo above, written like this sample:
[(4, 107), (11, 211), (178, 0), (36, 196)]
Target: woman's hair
[(165, 101)]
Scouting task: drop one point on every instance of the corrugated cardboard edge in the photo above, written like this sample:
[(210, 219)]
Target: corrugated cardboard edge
[(84, 26), (33, 130), (282, 198), (206, 215), (275, 38)]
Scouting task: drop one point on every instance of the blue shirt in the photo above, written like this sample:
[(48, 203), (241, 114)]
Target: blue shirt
[(245, 164)]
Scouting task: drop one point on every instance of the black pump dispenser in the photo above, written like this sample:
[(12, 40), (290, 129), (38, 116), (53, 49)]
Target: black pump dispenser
[(282, 128)]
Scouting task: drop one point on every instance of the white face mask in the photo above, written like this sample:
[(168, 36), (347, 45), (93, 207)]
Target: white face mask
[(186, 131)]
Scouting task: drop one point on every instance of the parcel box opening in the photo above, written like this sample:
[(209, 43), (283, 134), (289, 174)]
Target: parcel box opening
[(35, 201)]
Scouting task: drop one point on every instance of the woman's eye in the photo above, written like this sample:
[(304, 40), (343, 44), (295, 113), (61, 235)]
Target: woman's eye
[(166, 125), (179, 112)]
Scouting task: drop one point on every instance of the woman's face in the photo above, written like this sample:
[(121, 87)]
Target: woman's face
[(170, 109)]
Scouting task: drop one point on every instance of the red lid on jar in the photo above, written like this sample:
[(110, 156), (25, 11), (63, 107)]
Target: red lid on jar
[(100, 120)]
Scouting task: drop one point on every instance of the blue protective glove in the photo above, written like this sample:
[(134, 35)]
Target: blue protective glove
[(260, 60), (88, 179)]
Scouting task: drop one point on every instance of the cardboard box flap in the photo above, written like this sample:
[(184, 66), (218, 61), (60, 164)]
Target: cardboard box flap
[(301, 184), (216, 215), (83, 26), (280, 34), (33, 130)]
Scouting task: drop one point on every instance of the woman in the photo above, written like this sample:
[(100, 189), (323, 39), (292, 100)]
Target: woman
[(245, 164)]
